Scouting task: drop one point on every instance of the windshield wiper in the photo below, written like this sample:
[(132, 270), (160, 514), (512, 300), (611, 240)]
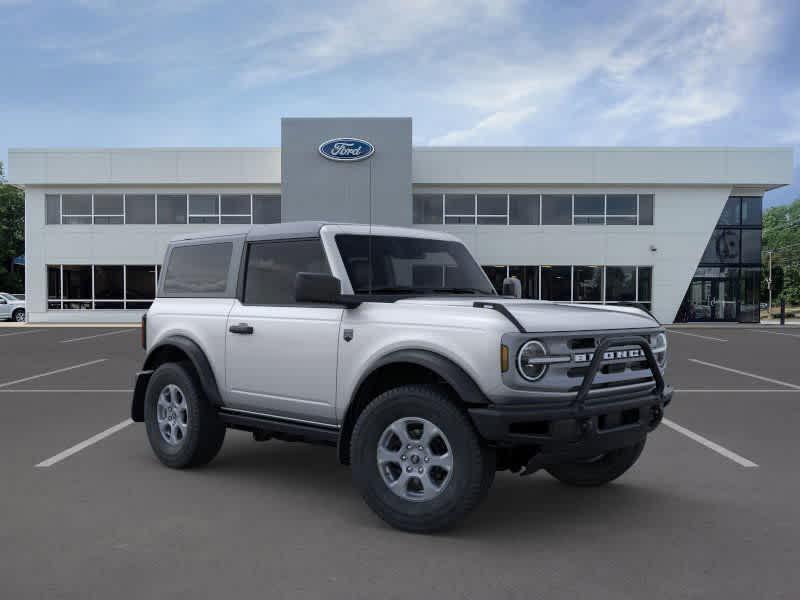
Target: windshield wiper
[(461, 290)]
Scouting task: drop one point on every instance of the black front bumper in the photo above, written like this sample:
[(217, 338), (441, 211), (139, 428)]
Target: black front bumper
[(585, 426)]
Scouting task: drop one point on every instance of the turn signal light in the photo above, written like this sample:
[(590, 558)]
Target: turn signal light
[(503, 358)]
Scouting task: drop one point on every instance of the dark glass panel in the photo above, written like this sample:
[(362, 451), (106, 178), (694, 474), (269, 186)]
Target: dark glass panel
[(54, 282), (557, 209), (556, 283), (77, 282), (428, 209), (523, 209), (587, 283), (53, 209), (620, 204), (751, 211), (140, 282), (171, 209), (620, 284), (646, 209), (645, 284), (272, 269), (200, 269), (140, 209), (266, 208), (492, 204), (723, 247), (496, 274), (731, 213), (108, 282), (529, 278)]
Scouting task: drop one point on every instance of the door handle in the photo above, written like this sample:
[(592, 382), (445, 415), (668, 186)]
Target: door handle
[(242, 328)]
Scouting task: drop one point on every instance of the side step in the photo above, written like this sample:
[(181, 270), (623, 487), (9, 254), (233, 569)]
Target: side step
[(280, 428)]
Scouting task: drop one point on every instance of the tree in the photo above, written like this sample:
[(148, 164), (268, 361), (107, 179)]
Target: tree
[(12, 235), (781, 235)]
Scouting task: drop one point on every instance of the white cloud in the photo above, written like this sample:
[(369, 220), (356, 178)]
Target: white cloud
[(681, 65), (496, 122)]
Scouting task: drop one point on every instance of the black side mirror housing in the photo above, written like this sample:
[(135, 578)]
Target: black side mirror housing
[(320, 288)]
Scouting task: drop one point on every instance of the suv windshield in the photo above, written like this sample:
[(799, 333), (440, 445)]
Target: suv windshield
[(406, 265)]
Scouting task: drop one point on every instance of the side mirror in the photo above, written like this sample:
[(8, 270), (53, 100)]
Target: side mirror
[(321, 288), (317, 287), (512, 287)]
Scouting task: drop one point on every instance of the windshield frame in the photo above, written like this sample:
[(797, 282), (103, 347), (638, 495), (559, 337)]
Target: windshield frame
[(476, 277)]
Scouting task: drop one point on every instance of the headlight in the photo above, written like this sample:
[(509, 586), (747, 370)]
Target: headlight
[(659, 347), (528, 360)]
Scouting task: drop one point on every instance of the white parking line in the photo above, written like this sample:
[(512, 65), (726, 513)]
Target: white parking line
[(91, 337), (84, 444), (697, 335), (27, 331), (730, 455), (746, 374), (794, 335), (46, 391), (24, 379)]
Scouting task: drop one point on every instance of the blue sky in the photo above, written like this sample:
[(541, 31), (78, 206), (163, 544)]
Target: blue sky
[(470, 72)]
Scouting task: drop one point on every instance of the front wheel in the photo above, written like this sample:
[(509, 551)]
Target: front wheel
[(417, 460), (599, 470), (182, 426), (19, 315)]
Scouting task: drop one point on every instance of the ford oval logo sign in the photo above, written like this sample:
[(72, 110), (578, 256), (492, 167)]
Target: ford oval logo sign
[(346, 149)]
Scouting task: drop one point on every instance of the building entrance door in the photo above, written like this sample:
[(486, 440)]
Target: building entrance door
[(711, 300)]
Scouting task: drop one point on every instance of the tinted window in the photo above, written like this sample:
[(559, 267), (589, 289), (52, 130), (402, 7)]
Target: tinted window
[(140, 209), (751, 211), (203, 208), (108, 282), (523, 209), (556, 282), (200, 269), (492, 209), (77, 282), (108, 209), (140, 282), (646, 209), (723, 247), (272, 269), (751, 245), (428, 209), (235, 208), (620, 284), (397, 265), (645, 284), (462, 205), (557, 209), (76, 208), (171, 208), (730, 214), (53, 206), (496, 274), (53, 282), (529, 278), (587, 284), (266, 208), (589, 209), (621, 204)]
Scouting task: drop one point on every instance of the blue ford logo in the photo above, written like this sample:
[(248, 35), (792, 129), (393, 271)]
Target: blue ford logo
[(346, 149)]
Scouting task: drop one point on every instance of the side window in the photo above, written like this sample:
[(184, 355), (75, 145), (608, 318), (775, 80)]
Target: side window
[(273, 266), (198, 270)]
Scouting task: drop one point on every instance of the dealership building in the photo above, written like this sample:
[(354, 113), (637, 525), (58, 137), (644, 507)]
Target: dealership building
[(676, 229)]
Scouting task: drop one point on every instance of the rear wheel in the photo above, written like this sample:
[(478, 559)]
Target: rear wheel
[(182, 426), (418, 461), (19, 315), (599, 470)]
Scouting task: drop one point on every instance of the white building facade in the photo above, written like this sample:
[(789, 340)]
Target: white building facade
[(675, 229)]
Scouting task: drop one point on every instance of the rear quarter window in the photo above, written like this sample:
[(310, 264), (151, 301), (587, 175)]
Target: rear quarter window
[(198, 270)]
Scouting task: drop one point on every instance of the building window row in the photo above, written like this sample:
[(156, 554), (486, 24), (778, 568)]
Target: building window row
[(533, 209), (101, 287), (161, 209), (578, 283)]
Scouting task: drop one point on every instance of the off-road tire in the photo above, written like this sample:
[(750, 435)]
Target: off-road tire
[(205, 432), (474, 465), (600, 471)]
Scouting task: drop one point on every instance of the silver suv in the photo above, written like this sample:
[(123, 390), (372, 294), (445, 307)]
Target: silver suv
[(392, 345)]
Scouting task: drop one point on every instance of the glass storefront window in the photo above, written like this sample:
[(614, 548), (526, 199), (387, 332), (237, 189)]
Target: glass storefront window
[(556, 283), (723, 247), (730, 214), (751, 246), (749, 295), (587, 284), (620, 284), (496, 274), (529, 278), (751, 211)]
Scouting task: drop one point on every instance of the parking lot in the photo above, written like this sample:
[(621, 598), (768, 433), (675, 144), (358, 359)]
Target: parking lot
[(709, 511)]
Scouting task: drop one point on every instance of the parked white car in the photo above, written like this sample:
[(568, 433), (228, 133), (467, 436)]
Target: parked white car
[(12, 308), (392, 345)]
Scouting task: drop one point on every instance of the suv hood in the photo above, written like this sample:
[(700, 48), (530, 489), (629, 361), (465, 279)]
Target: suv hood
[(542, 316)]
